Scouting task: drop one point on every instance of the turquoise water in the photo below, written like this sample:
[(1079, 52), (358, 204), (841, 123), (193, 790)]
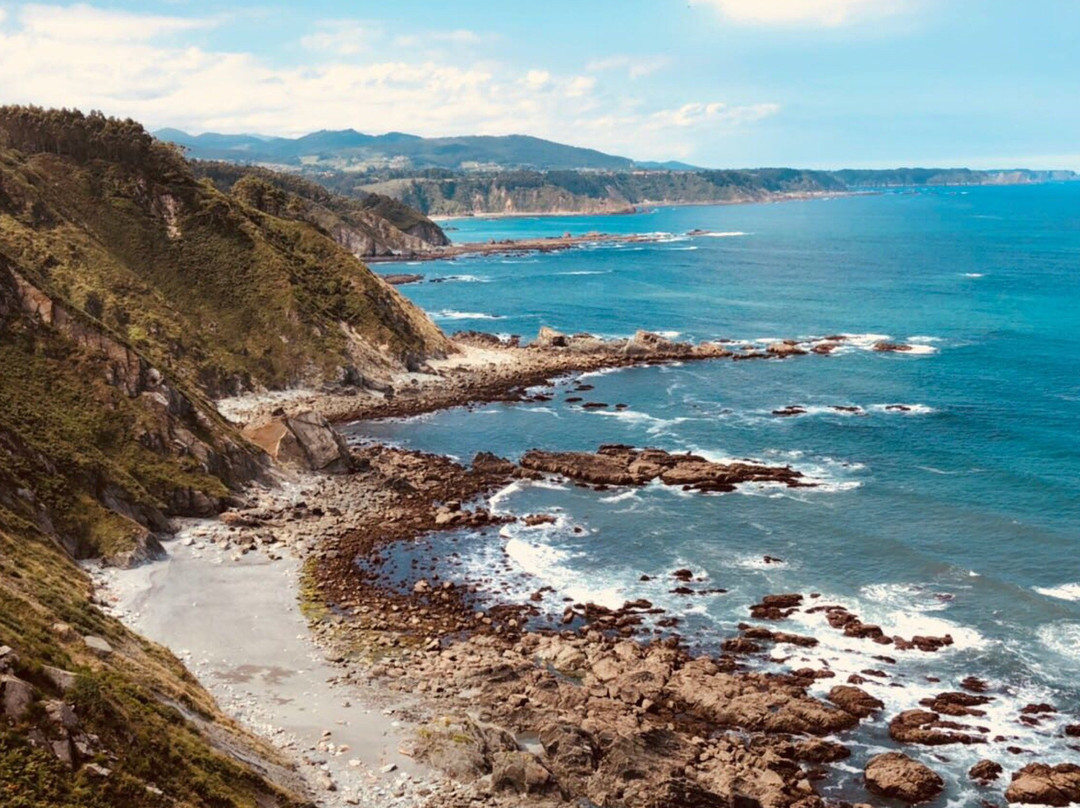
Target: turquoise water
[(961, 515)]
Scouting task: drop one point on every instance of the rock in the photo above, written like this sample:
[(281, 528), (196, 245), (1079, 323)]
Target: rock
[(624, 465), (921, 726), (816, 750), (789, 411), (534, 519), (785, 349), (646, 342), (8, 658), (16, 696), (521, 772), (389, 767), (1040, 784), (61, 714), (895, 347), (985, 771), (855, 700), (305, 439), (955, 703), (1073, 730), (751, 703), (98, 645), (550, 338), (895, 775)]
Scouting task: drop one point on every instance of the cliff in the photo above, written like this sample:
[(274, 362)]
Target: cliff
[(210, 289)]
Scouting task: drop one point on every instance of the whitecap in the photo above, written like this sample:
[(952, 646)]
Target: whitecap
[(462, 279), (451, 314), (974, 275), (1061, 638), (1063, 592), (623, 497), (896, 408), (728, 234)]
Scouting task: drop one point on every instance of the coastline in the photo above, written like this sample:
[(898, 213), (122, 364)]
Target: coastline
[(499, 691), (635, 208)]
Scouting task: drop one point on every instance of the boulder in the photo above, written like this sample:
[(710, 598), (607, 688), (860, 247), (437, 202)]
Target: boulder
[(16, 696), (98, 645), (521, 772), (895, 775), (985, 771), (1040, 784), (646, 342), (550, 338), (304, 439), (924, 727), (817, 750), (8, 658), (855, 700)]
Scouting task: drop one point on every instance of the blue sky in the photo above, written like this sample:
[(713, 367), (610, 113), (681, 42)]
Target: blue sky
[(809, 83)]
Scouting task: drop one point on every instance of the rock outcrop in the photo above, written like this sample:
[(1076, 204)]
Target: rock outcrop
[(624, 465), (1040, 784), (304, 439), (897, 776)]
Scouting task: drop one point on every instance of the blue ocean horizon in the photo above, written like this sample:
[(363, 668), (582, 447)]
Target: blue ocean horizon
[(957, 512)]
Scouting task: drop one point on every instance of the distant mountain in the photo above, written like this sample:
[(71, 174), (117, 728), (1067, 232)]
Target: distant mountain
[(349, 149)]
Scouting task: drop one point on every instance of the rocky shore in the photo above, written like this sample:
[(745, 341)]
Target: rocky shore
[(556, 702), (552, 702), (487, 368)]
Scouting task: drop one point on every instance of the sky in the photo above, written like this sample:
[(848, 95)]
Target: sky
[(718, 83)]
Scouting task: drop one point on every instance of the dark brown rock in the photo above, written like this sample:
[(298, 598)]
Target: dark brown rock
[(985, 771)]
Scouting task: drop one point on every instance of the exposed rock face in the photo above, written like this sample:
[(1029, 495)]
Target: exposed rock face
[(1039, 784), (895, 775), (624, 465), (742, 701), (304, 439)]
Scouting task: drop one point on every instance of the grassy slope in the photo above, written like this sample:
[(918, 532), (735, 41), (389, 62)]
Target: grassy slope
[(127, 294), (209, 289), (390, 225), (149, 714)]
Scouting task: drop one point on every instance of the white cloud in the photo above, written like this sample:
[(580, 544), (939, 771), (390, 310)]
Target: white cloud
[(715, 113), (82, 23), (149, 73), (828, 13), (537, 78), (634, 66), (341, 37)]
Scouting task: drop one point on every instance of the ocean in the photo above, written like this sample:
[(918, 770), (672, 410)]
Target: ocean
[(959, 514)]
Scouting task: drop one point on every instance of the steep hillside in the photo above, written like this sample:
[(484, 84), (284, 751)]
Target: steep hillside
[(371, 225), (98, 449), (103, 218), (130, 291)]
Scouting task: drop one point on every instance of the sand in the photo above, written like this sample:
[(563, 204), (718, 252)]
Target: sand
[(237, 626)]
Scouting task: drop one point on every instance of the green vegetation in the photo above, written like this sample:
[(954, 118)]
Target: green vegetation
[(367, 224), (130, 290), (210, 289)]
